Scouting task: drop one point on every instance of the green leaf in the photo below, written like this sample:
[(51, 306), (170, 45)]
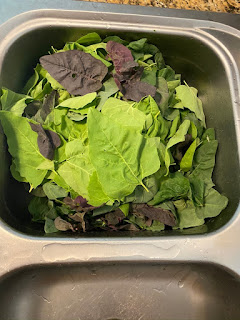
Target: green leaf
[(147, 106), (55, 177), (204, 161), (38, 207), (174, 126), (41, 89), (175, 187), (187, 216), (214, 203), (187, 160), (155, 226), (15, 173), (54, 83), (137, 45), (78, 102), (97, 196), (187, 115), (208, 135), (46, 165), (76, 116), (167, 73), (125, 208), (188, 96), (115, 39), (95, 47), (89, 38), (108, 89), (149, 76), (120, 155), (159, 60), (103, 209), (49, 226), (197, 191), (179, 136), (141, 195), (77, 169), (23, 146), (124, 114), (69, 129), (53, 191), (14, 102), (162, 88), (31, 83), (63, 95), (172, 85), (193, 131)]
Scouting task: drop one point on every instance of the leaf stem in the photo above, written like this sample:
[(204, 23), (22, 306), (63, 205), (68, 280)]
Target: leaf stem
[(144, 187)]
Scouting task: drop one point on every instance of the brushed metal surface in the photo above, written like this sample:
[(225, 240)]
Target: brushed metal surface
[(132, 291), (204, 62), (198, 269)]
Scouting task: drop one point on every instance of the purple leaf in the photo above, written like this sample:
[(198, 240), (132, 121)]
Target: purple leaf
[(128, 73), (136, 90), (114, 217), (47, 140), (119, 54), (78, 204), (62, 225), (154, 213), (77, 71)]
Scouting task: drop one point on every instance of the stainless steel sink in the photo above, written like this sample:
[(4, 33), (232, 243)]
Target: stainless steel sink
[(191, 274), (132, 291)]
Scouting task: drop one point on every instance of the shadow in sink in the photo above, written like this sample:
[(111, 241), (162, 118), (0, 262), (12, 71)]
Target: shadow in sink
[(123, 291)]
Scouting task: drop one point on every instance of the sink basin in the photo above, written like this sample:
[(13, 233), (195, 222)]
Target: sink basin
[(175, 275), (123, 291), (189, 48)]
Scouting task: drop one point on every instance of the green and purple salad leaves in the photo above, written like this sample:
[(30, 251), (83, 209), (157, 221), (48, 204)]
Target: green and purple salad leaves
[(108, 138)]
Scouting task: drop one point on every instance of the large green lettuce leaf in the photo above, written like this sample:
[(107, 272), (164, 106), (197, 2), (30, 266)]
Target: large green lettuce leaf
[(121, 156), (77, 169), (23, 146), (124, 114)]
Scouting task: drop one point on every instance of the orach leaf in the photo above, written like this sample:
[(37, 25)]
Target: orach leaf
[(188, 97), (94, 146), (120, 153), (77, 71), (53, 191), (23, 146), (78, 102), (153, 213), (119, 54), (179, 136), (175, 187), (47, 140), (123, 113), (77, 169), (14, 102)]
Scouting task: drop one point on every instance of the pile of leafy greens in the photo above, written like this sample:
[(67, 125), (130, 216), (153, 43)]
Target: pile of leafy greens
[(108, 138)]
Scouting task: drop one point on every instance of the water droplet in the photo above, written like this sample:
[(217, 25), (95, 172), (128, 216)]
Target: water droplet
[(180, 284)]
